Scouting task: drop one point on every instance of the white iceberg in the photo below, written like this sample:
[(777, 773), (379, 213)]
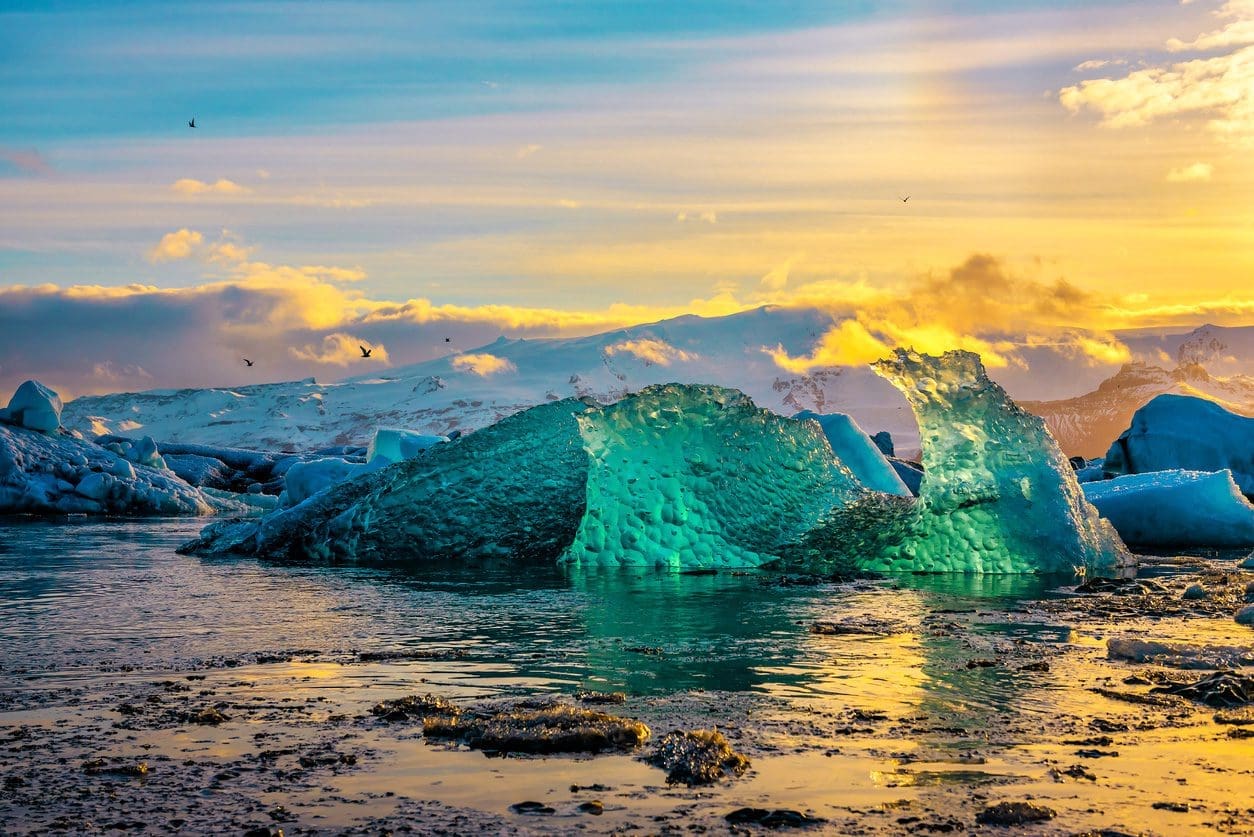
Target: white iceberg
[(859, 452), (1176, 508), (35, 407), (1180, 432)]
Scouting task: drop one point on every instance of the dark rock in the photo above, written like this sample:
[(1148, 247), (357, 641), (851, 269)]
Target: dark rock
[(778, 818), (1221, 689), (1014, 813), (593, 807), (549, 729), (414, 707), (697, 758), (1177, 807), (531, 807)]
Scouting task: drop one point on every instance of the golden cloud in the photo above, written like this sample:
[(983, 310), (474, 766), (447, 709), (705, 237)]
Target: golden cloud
[(181, 244), (340, 349), (1191, 174), (190, 186)]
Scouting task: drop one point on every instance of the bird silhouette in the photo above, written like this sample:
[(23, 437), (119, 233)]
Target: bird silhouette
[(448, 339), (247, 362), (906, 198), (191, 123), (364, 351)]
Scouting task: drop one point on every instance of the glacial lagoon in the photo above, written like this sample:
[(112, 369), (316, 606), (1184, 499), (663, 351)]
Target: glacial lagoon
[(895, 704)]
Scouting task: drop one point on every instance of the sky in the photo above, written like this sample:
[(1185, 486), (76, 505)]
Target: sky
[(395, 173)]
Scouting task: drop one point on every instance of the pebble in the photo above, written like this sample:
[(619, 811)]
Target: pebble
[(1194, 592), (1245, 616)]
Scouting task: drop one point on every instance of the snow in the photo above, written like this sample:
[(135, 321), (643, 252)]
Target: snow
[(1181, 432), (34, 406), (689, 476), (394, 444), (44, 473), (858, 452), (1176, 508)]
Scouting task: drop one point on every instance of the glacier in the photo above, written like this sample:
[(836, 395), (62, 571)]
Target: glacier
[(689, 476), (1175, 508), (1180, 432)]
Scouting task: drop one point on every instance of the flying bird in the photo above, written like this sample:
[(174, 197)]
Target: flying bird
[(247, 362), (448, 339), (364, 351), (191, 123), (906, 198)]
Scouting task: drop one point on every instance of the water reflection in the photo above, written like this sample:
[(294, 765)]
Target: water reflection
[(91, 596)]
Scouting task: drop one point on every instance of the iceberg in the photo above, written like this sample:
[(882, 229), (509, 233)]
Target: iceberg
[(997, 494), (1181, 432), (395, 445), (687, 476), (1176, 508), (859, 452), (43, 473), (511, 490), (697, 477), (303, 480), (35, 407)]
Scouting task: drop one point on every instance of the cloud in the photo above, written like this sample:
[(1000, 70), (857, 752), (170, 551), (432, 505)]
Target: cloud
[(173, 246), (708, 217), (1191, 173), (1218, 88), (189, 187), (26, 160), (527, 151), (777, 278), (339, 349), (483, 364), (978, 305), (1098, 63), (651, 350)]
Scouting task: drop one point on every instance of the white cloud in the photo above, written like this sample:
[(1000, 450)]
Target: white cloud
[(1191, 173), (1098, 63), (527, 150), (651, 350), (483, 364), (708, 217)]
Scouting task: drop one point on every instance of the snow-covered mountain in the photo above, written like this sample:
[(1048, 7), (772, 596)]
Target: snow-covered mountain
[(472, 389), (1086, 425), (476, 388)]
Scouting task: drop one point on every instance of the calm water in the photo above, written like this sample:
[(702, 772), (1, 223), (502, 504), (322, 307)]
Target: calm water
[(92, 613)]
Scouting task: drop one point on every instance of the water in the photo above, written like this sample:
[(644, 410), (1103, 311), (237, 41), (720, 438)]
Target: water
[(96, 613)]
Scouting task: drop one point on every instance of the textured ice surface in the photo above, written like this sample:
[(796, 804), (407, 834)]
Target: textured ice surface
[(859, 452), (515, 489), (395, 444), (697, 476), (997, 494), (35, 407), (59, 474), (1176, 508), (1181, 432)]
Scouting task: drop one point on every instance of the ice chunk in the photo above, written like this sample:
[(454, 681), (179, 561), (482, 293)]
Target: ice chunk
[(697, 476), (305, 479), (1176, 508), (394, 445), (910, 473), (858, 452), (36, 407), (512, 490), (59, 474), (1182, 432), (997, 494)]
